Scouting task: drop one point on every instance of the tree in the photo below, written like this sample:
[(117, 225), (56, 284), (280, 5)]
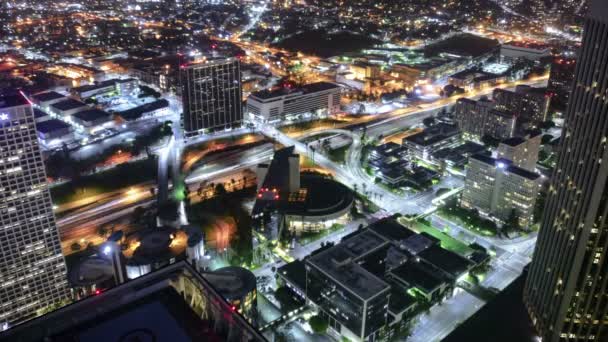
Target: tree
[(220, 190), (512, 222), (428, 122), (545, 139), (318, 324), (102, 231)]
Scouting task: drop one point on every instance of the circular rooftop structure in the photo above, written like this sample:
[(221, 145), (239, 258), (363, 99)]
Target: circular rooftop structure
[(156, 245), (319, 197), (91, 271), (232, 282)]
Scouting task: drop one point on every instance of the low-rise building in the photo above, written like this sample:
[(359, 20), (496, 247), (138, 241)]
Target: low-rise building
[(53, 133), (106, 88), (150, 110), (470, 80), (456, 156), (92, 120), (531, 51), (498, 188), (432, 139), (375, 278), (309, 101), (173, 303), (67, 108), (44, 100)]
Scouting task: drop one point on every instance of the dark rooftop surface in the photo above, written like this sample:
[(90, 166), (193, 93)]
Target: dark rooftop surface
[(232, 282), (391, 230), (362, 243), (294, 271), (137, 112), (414, 274), (338, 263), (324, 196), (305, 89), (12, 101), (508, 165), (68, 104), (91, 115), (449, 262), (515, 141), (47, 96), (99, 85), (51, 125), (433, 134), (148, 308), (523, 173), (39, 114), (463, 45)]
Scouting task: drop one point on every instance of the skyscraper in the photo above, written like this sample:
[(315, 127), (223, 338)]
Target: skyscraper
[(212, 96), (32, 268), (566, 292)]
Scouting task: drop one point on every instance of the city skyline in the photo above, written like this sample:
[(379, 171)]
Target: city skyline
[(361, 171)]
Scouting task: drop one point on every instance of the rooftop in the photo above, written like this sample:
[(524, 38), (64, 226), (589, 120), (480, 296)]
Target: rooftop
[(68, 104), (151, 307), (337, 262), (415, 274), (362, 243), (432, 135), (305, 89), (232, 282), (91, 115), (514, 141), (507, 165), (100, 85), (47, 96), (391, 230), (51, 126), (137, 112), (12, 101), (445, 260)]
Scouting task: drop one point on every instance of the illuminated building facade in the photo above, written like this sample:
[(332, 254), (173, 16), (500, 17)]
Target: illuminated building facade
[(315, 100), (496, 187), (479, 118), (522, 151), (561, 79), (529, 103), (212, 96), (566, 292), (32, 268)]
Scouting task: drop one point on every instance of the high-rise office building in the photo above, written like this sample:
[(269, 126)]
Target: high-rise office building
[(477, 119), (560, 80), (566, 292), (212, 96), (497, 187), (32, 268), (531, 105)]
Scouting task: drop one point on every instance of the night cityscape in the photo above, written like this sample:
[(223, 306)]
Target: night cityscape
[(302, 170)]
